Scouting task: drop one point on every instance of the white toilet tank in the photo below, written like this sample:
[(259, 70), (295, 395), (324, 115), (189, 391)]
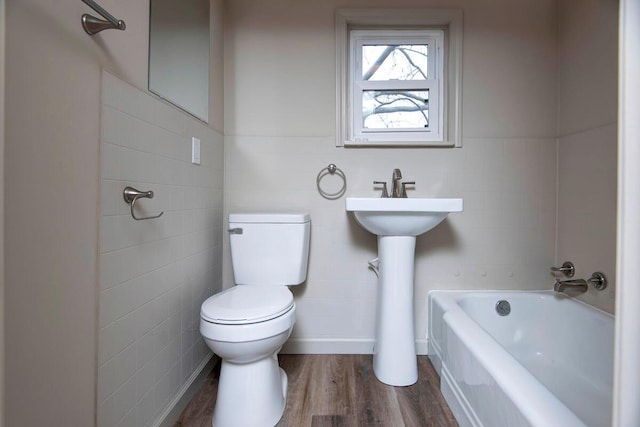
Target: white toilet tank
[(269, 248)]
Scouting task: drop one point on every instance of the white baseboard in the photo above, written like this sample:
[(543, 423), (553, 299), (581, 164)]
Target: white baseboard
[(338, 346), (172, 412)]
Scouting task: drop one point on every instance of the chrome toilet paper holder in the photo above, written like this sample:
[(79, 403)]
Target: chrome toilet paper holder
[(131, 196)]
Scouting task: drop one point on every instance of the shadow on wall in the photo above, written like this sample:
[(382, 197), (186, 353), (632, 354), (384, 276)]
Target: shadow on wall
[(359, 237), (442, 238)]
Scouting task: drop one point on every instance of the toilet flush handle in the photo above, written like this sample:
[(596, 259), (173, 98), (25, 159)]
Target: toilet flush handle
[(236, 230)]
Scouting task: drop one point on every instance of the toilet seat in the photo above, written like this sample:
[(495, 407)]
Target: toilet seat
[(247, 304)]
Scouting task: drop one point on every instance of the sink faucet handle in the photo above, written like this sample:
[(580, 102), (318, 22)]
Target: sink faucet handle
[(385, 193), (403, 193)]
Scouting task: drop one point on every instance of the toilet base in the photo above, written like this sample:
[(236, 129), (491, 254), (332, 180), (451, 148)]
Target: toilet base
[(250, 394)]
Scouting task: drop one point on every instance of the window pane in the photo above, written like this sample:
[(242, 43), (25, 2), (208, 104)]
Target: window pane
[(395, 109), (394, 62)]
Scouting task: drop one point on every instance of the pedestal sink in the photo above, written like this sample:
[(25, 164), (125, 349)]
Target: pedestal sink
[(397, 222)]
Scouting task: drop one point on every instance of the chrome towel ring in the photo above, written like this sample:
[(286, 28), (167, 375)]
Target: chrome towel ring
[(131, 195), (331, 170)]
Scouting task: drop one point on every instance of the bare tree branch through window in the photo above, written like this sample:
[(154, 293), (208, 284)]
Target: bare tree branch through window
[(395, 108)]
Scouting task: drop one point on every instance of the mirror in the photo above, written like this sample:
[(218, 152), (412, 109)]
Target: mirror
[(179, 54)]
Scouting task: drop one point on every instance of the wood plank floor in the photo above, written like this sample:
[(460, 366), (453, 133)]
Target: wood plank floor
[(341, 391)]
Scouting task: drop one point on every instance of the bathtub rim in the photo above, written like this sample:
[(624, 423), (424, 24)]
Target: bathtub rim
[(549, 292), (487, 351)]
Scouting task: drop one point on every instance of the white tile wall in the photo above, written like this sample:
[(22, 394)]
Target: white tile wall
[(587, 208), (504, 239), (153, 274), (587, 115), (279, 133)]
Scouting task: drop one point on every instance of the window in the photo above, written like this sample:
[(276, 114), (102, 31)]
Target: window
[(396, 85), (398, 74)]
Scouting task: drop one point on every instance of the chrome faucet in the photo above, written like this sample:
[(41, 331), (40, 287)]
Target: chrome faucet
[(574, 285), (398, 189), (397, 184)]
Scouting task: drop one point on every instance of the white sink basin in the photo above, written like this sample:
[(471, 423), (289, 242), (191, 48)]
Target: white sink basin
[(400, 217)]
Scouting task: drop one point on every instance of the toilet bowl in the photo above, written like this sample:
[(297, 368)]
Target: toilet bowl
[(247, 324), (252, 388)]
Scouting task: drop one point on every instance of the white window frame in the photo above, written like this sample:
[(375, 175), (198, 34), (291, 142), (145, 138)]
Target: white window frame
[(447, 20), (434, 39)]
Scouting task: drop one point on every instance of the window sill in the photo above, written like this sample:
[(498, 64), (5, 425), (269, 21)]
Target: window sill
[(397, 144)]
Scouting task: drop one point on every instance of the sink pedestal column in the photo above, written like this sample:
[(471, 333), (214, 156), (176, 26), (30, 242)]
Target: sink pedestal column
[(394, 356)]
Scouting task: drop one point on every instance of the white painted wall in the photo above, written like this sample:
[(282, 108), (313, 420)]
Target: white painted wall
[(52, 174), (279, 133), (587, 122), (2, 111), (626, 384)]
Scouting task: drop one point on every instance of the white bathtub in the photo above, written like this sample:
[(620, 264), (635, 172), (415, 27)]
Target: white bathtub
[(548, 363)]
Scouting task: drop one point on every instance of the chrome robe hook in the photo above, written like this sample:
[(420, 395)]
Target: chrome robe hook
[(131, 195)]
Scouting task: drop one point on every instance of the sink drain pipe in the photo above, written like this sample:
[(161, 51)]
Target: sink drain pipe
[(374, 264)]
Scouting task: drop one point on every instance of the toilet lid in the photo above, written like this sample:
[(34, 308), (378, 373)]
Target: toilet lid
[(247, 304)]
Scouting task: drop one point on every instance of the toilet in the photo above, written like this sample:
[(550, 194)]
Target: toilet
[(247, 324)]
